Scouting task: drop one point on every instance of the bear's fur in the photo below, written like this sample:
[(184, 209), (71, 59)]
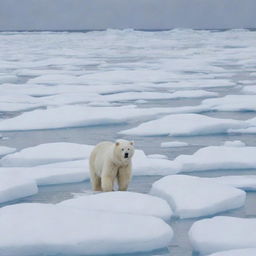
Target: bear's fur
[(110, 161)]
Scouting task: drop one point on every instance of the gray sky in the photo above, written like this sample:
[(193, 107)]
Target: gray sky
[(138, 14)]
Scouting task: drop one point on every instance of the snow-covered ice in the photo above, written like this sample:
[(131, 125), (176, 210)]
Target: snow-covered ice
[(184, 125), (223, 233), (235, 143), (173, 144), (52, 229), (47, 153), (231, 103), (122, 202), (245, 182), (191, 197), (6, 150), (16, 186), (77, 116), (218, 158)]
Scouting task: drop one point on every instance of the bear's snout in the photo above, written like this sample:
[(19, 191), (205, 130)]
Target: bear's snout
[(126, 155)]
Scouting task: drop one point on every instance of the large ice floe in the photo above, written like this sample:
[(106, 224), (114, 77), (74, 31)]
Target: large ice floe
[(185, 125), (223, 233), (188, 198), (237, 252), (77, 116), (122, 202), (54, 230)]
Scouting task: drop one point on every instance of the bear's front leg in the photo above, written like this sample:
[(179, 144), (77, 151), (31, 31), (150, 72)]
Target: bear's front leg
[(108, 176), (124, 176)]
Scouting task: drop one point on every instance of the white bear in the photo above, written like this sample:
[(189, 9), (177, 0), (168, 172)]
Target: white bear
[(110, 161)]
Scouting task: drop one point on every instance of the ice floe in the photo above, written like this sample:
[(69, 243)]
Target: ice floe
[(218, 158), (191, 197), (173, 144), (122, 202), (47, 153), (184, 125), (53, 229), (235, 143), (245, 182), (231, 103), (77, 116), (6, 150), (16, 186), (223, 233)]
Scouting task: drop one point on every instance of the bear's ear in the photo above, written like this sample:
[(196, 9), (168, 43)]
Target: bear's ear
[(117, 143), (132, 143)]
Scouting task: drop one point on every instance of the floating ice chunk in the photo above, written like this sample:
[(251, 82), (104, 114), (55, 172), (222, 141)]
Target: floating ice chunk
[(60, 230), (15, 186), (193, 94), (249, 89), (76, 116), (122, 202), (6, 150), (235, 143), (184, 125), (173, 144), (231, 103), (50, 175), (218, 158), (157, 156), (191, 197), (249, 130), (47, 153), (222, 233), (159, 95), (245, 182), (237, 252)]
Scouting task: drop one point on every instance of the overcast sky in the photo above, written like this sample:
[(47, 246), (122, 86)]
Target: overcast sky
[(138, 14)]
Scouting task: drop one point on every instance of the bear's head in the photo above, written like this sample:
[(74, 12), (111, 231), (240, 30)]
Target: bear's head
[(124, 150)]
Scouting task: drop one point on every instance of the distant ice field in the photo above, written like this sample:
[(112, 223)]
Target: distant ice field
[(71, 90)]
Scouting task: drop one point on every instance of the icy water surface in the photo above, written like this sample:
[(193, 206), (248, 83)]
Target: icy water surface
[(183, 56)]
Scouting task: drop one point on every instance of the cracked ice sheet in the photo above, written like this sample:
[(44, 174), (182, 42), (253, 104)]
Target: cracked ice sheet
[(187, 198), (185, 125), (47, 233), (222, 233)]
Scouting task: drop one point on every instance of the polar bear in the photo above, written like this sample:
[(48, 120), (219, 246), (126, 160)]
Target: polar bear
[(109, 161)]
